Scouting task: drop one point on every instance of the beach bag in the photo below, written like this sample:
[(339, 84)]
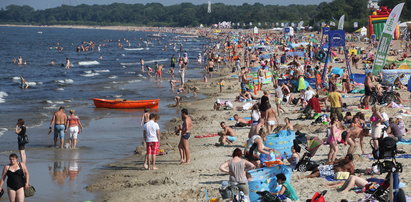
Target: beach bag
[(1, 192), (29, 191), (318, 197), (25, 139)]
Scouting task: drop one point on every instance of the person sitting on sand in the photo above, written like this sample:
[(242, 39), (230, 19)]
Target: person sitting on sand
[(398, 83), (227, 135), (240, 122), (287, 189), (244, 97), (255, 147), (288, 125), (342, 165), (236, 168), (295, 156)]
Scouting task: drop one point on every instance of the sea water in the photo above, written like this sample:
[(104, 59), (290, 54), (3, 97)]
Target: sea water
[(62, 174)]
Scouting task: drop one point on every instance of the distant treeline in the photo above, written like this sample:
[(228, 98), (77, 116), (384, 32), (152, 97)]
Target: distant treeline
[(187, 14)]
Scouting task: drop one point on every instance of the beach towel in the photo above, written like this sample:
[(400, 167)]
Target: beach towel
[(331, 178), (232, 118)]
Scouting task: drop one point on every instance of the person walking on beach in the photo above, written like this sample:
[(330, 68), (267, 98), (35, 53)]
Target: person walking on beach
[(21, 140), (75, 127), (185, 131), (18, 178), (152, 139), (236, 168), (58, 122)]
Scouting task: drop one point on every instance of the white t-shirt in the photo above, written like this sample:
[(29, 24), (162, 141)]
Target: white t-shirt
[(151, 128), (308, 95)]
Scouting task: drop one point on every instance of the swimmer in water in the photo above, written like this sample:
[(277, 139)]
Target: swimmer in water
[(24, 84), (68, 64)]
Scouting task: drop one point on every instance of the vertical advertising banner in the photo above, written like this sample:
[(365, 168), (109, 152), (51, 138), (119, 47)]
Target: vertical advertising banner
[(385, 39)]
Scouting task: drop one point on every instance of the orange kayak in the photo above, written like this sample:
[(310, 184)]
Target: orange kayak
[(125, 104)]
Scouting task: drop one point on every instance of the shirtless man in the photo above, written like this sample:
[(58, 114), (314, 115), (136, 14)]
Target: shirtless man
[(351, 139), (271, 117), (243, 79), (342, 165), (185, 129), (146, 116), (58, 121), (227, 135), (369, 86), (159, 72), (255, 129)]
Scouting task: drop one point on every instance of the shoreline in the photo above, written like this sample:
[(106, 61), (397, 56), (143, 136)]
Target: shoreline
[(177, 30)]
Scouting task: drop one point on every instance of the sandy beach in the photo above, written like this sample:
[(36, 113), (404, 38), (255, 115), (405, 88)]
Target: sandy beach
[(126, 180)]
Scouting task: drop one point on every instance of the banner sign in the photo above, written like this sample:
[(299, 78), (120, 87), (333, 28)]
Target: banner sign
[(336, 38), (385, 39), (341, 22)]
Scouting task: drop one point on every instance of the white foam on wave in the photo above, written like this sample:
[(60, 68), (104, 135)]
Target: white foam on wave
[(88, 63), (31, 83), (153, 61), (117, 96), (130, 72), (2, 131), (2, 96), (65, 81), (90, 74), (113, 77), (15, 78), (133, 49), (128, 63), (107, 87), (134, 81), (102, 70), (59, 89)]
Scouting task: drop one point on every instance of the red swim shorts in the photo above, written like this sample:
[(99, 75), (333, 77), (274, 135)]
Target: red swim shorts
[(152, 148)]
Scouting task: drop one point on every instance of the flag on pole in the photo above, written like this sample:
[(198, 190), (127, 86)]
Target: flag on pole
[(341, 22), (385, 39)]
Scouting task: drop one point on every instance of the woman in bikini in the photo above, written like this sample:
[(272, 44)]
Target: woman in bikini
[(17, 179), (333, 139)]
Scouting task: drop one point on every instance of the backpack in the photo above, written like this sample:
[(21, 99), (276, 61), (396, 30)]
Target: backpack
[(318, 197)]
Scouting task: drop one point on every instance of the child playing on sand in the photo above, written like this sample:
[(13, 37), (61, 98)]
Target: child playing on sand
[(287, 190), (221, 85)]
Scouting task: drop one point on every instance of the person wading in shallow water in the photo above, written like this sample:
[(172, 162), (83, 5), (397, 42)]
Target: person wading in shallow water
[(59, 121)]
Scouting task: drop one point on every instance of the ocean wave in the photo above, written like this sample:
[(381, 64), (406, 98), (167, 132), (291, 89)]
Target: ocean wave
[(90, 74), (101, 71), (65, 81), (2, 96), (134, 81), (128, 63), (113, 77), (15, 78), (2, 131), (133, 49), (59, 89), (88, 63), (130, 72), (118, 96), (153, 61)]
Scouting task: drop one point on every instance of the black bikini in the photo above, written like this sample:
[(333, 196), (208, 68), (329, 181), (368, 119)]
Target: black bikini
[(15, 180)]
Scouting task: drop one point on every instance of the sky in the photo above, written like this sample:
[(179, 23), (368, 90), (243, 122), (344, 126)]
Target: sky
[(43, 4)]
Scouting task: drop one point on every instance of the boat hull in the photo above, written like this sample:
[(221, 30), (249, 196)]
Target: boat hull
[(125, 104)]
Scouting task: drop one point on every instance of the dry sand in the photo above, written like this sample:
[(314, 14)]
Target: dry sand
[(127, 180)]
